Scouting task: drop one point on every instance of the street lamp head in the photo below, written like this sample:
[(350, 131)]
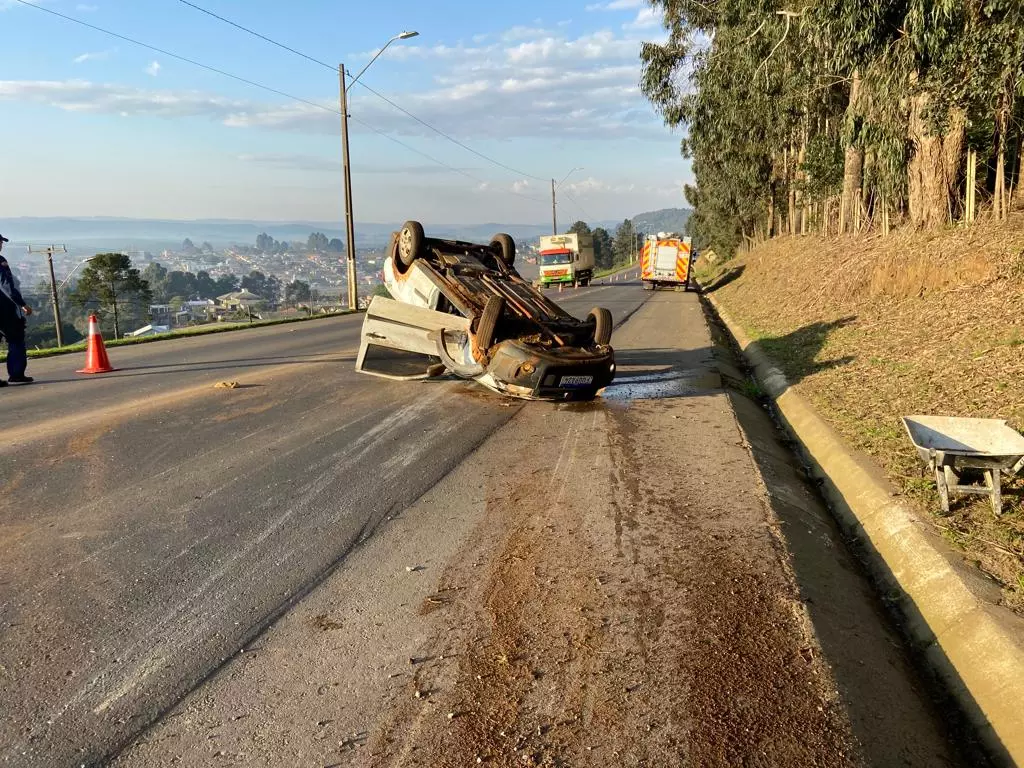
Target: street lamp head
[(407, 35)]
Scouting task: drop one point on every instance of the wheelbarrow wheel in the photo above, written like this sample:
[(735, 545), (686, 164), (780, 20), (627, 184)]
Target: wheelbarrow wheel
[(410, 242), (489, 322), (602, 320)]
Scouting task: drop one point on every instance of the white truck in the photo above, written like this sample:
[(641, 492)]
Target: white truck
[(566, 259)]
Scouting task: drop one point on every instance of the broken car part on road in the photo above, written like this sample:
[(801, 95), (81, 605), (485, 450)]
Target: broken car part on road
[(463, 308)]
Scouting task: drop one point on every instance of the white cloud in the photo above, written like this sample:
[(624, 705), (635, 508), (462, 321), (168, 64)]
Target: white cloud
[(646, 18), (616, 5), (84, 96), (153, 69), (521, 185), (92, 56), (85, 8), (522, 33), (553, 87)]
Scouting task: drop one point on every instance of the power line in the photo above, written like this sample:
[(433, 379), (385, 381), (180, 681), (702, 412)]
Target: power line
[(163, 52), (261, 37), (253, 83), (455, 141), (376, 93)]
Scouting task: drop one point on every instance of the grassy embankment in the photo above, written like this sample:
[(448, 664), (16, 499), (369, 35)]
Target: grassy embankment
[(871, 329), (613, 270), (199, 330)]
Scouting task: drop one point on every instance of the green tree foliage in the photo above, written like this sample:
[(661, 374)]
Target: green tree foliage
[(267, 288), (112, 287), (164, 285), (318, 242), (604, 252), (224, 285), (297, 292), (838, 113), (44, 335), (579, 228), (265, 243), (625, 244)]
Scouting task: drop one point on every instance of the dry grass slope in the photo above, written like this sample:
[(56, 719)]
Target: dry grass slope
[(872, 329)]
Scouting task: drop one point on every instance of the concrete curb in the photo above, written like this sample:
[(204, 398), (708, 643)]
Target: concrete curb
[(972, 644)]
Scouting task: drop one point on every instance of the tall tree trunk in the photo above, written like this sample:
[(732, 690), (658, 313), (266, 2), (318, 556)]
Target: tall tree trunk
[(1002, 198), (791, 181), (853, 162), (934, 166), (1020, 168)]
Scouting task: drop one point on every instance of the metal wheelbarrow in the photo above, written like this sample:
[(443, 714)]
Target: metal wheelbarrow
[(952, 446)]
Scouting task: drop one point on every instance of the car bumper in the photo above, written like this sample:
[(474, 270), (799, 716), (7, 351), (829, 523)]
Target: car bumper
[(533, 373)]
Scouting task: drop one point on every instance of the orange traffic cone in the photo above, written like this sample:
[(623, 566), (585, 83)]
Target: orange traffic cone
[(96, 360)]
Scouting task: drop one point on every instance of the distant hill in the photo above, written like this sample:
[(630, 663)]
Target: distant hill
[(156, 234), (665, 220), (112, 233)]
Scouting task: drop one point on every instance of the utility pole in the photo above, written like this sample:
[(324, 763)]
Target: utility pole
[(49, 251), (554, 216), (350, 227), (554, 186)]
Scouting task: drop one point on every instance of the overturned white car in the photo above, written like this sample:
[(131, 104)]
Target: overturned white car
[(463, 308)]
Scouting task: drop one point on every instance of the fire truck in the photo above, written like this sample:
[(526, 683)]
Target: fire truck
[(666, 260)]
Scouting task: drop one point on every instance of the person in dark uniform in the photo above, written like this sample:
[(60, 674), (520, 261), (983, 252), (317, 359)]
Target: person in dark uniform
[(13, 311)]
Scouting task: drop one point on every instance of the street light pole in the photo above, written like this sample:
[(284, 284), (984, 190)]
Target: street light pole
[(49, 251), (554, 215), (350, 226)]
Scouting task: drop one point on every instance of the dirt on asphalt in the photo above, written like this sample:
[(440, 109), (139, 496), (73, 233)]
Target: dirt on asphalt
[(641, 581), (659, 629)]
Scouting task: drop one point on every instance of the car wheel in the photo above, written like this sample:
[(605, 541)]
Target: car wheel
[(602, 325), (410, 242), (489, 322), (506, 247)]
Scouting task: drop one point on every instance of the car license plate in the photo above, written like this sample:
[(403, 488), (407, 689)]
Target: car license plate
[(577, 381)]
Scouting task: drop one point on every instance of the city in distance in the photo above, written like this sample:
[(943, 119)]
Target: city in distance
[(113, 233)]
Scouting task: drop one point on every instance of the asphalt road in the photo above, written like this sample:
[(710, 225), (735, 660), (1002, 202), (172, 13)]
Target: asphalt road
[(152, 525)]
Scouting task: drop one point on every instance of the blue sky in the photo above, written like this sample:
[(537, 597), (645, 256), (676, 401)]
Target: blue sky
[(95, 126)]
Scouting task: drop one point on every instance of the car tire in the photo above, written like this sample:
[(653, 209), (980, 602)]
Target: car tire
[(489, 322), (506, 248), (602, 325), (410, 242)]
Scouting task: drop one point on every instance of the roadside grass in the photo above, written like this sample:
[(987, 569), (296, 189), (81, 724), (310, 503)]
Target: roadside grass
[(871, 329), (613, 270), (199, 330)]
